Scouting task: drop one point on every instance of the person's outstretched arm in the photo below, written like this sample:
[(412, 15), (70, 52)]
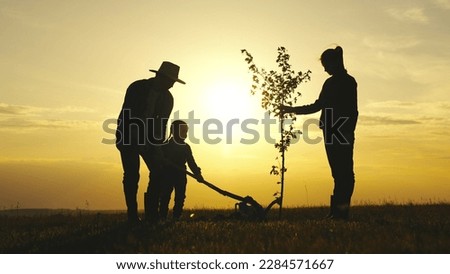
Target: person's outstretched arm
[(306, 109), (318, 105), (193, 165)]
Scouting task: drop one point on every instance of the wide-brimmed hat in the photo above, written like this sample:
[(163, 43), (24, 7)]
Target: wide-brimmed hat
[(169, 70)]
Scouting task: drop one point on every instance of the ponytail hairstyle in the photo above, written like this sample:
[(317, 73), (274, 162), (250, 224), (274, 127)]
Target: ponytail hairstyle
[(333, 57)]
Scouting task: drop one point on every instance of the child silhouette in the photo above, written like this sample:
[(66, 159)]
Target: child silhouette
[(176, 153)]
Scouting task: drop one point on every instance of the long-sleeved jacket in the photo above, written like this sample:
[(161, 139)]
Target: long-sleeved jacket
[(179, 153), (144, 114), (339, 93)]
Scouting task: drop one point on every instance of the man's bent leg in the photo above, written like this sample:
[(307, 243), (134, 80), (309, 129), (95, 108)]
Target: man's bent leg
[(152, 195), (130, 163)]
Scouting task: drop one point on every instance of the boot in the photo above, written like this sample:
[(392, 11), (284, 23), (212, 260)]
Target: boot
[(342, 208), (332, 208), (177, 213), (132, 207), (150, 208)]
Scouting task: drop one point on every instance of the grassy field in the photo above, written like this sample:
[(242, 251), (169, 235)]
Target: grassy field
[(386, 229)]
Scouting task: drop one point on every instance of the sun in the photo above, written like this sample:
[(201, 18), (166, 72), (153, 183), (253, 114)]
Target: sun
[(228, 100), (231, 111)]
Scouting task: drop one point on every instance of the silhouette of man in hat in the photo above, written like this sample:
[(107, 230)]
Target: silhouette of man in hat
[(141, 128)]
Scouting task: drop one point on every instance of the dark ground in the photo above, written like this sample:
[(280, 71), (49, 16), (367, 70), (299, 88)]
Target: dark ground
[(386, 229)]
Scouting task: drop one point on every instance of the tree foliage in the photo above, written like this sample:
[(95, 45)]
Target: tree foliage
[(278, 88)]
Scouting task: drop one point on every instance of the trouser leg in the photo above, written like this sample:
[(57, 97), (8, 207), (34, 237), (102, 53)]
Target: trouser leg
[(332, 209), (180, 196), (164, 200), (130, 164), (340, 158), (152, 198), (153, 189)]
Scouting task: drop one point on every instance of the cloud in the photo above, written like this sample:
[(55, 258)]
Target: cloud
[(445, 4), (22, 123), (73, 109), (409, 68), (392, 104), (415, 15), (438, 108), (8, 109), (24, 17), (385, 120), (25, 117), (406, 113), (445, 105), (391, 43)]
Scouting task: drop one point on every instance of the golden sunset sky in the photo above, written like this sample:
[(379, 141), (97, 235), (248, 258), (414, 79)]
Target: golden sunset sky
[(65, 66)]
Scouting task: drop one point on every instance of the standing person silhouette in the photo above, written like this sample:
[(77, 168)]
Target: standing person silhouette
[(141, 128), (177, 154), (338, 103)]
